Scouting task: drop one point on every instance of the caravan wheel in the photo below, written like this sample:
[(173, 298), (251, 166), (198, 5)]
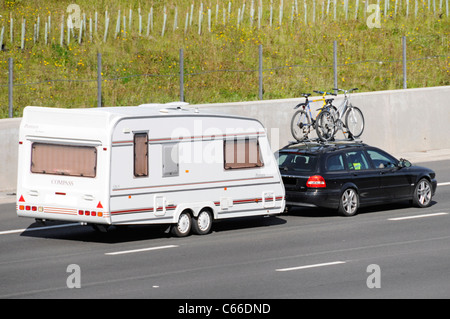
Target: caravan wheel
[(183, 227), (202, 224)]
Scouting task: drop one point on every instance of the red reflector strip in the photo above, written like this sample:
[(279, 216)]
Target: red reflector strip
[(58, 193)]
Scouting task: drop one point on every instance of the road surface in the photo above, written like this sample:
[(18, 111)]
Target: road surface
[(391, 251)]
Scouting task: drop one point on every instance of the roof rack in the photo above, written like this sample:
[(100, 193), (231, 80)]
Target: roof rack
[(332, 142)]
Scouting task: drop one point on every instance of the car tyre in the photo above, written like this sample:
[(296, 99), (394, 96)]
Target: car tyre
[(422, 193), (349, 202), (184, 225), (203, 223)]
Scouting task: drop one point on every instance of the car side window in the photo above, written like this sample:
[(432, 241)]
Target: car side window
[(381, 160), (335, 163), (356, 160)]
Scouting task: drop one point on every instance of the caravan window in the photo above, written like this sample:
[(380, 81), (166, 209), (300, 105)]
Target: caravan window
[(70, 160), (170, 159), (243, 153), (141, 155)]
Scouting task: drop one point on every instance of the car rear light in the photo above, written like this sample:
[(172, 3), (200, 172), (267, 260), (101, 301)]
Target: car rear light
[(316, 181)]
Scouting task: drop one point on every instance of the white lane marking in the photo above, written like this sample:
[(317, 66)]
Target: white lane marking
[(140, 250), (15, 231), (443, 184), (418, 216), (312, 266)]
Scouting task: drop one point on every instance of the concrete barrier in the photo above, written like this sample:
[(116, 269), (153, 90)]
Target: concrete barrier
[(9, 137), (399, 121)]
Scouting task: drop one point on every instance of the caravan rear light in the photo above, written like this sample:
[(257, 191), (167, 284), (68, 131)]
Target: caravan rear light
[(316, 181), (93, 214), (87, 213), (27, 207), (21, 207), (100, 214), (80, 212), (34, 208)]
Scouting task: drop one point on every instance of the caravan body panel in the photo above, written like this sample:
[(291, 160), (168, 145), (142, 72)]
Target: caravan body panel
[(144, 165)]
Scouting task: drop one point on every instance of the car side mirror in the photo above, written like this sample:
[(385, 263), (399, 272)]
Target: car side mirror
[(404, 163)]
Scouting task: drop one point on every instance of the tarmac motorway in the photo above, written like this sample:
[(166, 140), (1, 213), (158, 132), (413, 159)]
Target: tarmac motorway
[(391, 251)]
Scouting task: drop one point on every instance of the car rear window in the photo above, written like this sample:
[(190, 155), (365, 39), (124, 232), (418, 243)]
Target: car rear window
[(298, 162)]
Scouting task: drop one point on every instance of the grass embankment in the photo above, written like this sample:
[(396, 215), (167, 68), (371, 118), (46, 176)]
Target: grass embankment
[(297, 57)]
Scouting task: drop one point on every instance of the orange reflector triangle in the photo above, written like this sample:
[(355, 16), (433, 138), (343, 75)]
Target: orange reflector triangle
[(99, 205), (21, 199)]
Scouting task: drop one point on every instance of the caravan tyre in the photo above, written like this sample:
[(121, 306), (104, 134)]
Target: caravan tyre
[(202, 224), (183, 227)]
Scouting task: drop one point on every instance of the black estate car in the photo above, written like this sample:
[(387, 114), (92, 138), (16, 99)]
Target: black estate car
[(348, 175)]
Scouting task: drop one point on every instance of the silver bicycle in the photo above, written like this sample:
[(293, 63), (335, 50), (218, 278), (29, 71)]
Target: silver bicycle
[(346, 117)]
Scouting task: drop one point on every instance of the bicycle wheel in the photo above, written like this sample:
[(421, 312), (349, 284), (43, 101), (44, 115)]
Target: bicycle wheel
[(325, 127), (300, 125), (354, 121)]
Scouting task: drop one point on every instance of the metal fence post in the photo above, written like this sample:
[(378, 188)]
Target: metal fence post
[(181, 75), (260, 69), (335, 65), (99, 80), (404, 61), (10, 87)]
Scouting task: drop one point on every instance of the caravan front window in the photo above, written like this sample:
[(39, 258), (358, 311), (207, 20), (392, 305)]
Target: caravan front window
[(70, 160)]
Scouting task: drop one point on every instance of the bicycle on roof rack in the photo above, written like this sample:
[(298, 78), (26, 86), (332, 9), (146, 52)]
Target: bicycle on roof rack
[(302, 122), (346, 117)]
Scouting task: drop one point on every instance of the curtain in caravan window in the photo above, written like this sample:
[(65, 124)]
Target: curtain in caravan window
[(140, 154), (243, 153), (70, 160)]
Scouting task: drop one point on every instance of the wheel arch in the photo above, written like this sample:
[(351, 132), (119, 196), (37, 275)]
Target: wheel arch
[(194, 209)]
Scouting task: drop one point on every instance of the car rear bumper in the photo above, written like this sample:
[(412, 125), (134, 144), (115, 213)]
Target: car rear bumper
[(313, 198)]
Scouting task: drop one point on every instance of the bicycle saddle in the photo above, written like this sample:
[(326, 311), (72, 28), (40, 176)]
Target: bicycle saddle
[(305, 94)]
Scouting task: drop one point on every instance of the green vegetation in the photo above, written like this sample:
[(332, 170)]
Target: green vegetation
[(297, 57)]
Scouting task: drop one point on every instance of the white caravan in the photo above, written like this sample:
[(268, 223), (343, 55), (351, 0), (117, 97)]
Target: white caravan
[(150, 164)]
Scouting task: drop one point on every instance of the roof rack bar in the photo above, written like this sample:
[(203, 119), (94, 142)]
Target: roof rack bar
[(308, 141)]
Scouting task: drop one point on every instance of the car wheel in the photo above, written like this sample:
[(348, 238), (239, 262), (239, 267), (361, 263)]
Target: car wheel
[(203, 223), (422, 193), (183, 227), (349, 203)]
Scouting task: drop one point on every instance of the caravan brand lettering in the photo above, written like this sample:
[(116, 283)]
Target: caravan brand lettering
[(62, 182)]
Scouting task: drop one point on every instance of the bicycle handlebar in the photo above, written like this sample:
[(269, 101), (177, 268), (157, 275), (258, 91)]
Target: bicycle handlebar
[(325, 93), (346, 91)]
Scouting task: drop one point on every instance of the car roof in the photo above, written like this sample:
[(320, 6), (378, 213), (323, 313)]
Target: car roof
[(320, 147)]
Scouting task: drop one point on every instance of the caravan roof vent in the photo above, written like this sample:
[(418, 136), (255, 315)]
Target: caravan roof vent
[(178, 105)]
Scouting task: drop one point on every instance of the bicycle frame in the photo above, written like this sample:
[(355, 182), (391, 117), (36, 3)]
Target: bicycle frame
[(302, 121), (342, 108), (308, 102)]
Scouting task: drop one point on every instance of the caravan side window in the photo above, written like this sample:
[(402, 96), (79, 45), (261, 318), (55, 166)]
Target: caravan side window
[(140, 154), (170, 159), (243, 153)]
